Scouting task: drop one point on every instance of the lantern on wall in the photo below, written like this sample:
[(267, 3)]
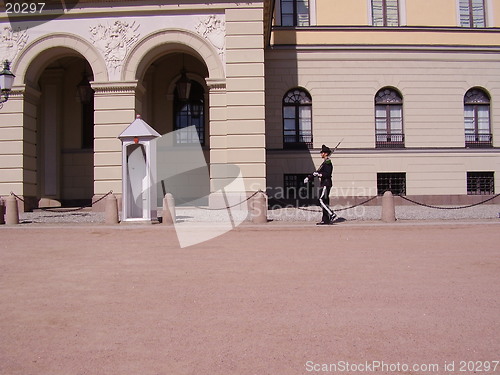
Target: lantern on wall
[(6, 81)]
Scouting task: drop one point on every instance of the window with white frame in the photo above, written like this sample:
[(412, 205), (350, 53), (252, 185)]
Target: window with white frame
[(385, 12), (297, 119), (472, 13), (389, 119), (477, 118)]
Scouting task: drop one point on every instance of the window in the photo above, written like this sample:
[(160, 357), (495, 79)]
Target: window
[(385, 13), (294, 12), (477, 119), (189, 113), (297, 119), (296, 189), (389, 119), (393, 182), (480, 183), (472, 13)]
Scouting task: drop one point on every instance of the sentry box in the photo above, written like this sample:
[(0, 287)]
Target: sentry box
[(139, 172)]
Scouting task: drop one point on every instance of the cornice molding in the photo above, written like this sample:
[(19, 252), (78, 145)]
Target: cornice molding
[(216, 84), (390, 28), (126, 87)]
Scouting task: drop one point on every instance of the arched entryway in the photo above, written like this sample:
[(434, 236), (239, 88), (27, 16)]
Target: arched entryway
[(176, 99), (57, 157), (65, 131)]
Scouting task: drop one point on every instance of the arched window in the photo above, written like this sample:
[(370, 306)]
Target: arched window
[(188, 113), (389, 119), (297, 119), (477, 118)]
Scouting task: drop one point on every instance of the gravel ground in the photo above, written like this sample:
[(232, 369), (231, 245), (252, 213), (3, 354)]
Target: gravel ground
[(309, 214), (128, 300)]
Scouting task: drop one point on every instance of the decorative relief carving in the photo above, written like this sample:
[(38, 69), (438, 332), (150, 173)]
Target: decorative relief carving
[(11, 42), (114, 41), (213, 28)]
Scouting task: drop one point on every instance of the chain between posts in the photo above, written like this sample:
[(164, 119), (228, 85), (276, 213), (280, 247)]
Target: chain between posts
[(279, 201), (227, 207), (447, 208), (336, 210), (62, 210), (402, 197)]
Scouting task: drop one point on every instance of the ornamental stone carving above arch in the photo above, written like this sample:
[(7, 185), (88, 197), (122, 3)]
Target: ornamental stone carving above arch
[(114, 41), (12, 41), (213, 29)]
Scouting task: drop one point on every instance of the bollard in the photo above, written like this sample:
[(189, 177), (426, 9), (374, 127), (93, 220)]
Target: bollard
[(111, 210), (259, 208), (11, 211), (388, 209), (2, 211), (168, 209)]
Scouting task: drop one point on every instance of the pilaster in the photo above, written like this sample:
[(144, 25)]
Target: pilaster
[(115, 105), (18, 142), (245, 141)]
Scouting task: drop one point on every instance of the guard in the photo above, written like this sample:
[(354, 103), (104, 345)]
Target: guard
[(324, 173)]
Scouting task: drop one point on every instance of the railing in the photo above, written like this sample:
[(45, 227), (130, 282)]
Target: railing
[(301, 141), (385, 140), (481, 140)]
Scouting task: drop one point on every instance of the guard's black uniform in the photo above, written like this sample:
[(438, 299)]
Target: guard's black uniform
[(324, 173)]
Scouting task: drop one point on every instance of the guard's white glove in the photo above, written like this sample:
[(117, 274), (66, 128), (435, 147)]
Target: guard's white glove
[(306, 180), (316, 174)]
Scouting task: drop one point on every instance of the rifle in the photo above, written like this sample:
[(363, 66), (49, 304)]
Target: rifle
[(338, 144)]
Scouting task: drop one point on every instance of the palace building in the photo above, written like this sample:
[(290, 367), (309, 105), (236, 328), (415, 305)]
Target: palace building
[(409, 90)]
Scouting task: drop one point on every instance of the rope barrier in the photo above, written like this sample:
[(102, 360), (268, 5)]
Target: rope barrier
[(64, 210), (448, 208)]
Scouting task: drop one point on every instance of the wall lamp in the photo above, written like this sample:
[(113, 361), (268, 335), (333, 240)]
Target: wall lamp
[(6, 81)]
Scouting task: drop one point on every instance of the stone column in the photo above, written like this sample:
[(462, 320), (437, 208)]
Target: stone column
[(18, 142), (115, 106)]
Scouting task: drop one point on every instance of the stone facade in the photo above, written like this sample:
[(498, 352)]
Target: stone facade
[(341, 60), (244, 60), (132, 57)]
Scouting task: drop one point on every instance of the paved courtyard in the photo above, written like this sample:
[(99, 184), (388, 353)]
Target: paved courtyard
[(406, 298)]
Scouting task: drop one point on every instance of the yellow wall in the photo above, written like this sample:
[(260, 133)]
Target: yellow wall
[(416, 12), (431, 13), (387, 37), (495, 12), (336, 13)]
